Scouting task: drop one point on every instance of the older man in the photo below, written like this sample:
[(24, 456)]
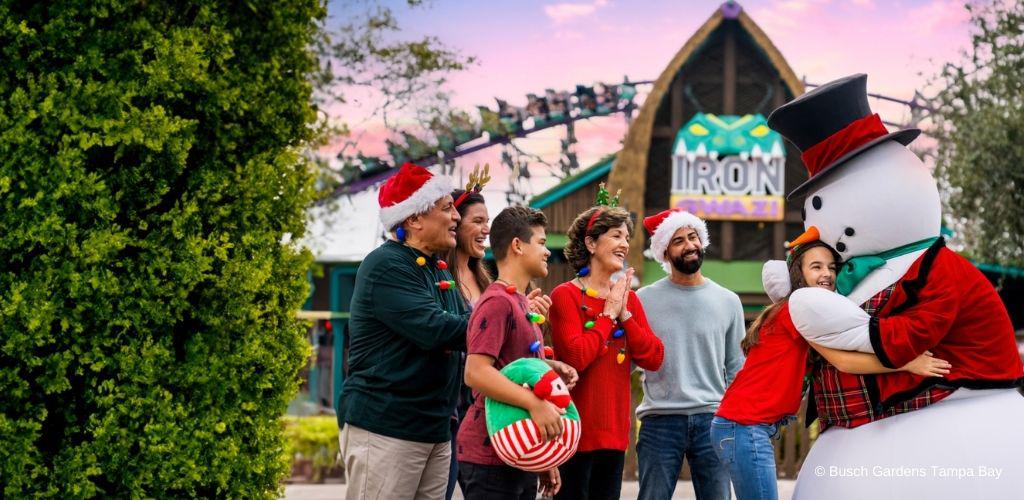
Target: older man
[(701, 324), (407, 325)]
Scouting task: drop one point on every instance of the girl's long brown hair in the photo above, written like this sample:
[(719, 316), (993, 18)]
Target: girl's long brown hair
[(476, 266), (796, 281)]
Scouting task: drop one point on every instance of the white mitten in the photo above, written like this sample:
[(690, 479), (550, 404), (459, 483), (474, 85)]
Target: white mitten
[(829, 319), (775, 278)]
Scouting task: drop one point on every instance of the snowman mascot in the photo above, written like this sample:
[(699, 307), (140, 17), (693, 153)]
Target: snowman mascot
[(901, 292)]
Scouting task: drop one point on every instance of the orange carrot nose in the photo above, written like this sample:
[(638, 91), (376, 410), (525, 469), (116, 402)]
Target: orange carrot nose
[(811, 234)]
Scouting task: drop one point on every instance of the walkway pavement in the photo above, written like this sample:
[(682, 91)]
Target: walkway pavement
[(630, 489)]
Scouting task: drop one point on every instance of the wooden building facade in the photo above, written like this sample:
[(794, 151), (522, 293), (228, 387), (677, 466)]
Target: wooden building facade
[(727, 68)]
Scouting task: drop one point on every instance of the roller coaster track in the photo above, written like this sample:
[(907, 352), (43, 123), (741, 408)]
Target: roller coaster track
[(919, 108), (468, 147), (918, 104)]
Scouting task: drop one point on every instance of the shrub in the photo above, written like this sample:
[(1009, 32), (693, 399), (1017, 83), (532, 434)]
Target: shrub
[(314, 439), (150, 178)]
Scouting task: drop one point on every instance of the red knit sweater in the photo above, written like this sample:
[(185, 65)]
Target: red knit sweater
[(602, 394)]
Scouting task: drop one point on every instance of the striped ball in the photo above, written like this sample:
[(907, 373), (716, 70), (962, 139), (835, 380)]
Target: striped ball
[(519, 445)]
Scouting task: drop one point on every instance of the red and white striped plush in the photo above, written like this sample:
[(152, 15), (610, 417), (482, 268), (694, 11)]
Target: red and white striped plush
[(519, 445)]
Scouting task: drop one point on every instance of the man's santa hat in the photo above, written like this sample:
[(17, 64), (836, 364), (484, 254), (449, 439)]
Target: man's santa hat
[(663, 225), (413, 190)]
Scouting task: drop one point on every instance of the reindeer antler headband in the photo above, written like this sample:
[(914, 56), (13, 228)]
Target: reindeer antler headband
[(477, 181)]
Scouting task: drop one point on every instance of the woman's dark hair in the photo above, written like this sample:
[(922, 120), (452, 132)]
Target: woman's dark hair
[(576, 251), (796, 281), (476, 266)]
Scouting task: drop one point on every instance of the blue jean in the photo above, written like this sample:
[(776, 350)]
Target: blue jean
[(748, 455), (663, 443)]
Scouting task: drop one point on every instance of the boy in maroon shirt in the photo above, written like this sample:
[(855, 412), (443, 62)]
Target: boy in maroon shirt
[(501, 331)]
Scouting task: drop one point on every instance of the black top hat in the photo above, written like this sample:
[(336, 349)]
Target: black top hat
[(832, 124)]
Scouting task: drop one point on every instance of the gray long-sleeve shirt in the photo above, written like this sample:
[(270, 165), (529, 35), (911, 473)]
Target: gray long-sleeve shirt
[(701, 327)]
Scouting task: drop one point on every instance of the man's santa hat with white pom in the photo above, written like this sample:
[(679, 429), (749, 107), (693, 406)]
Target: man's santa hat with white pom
[(663, 225), (413, 190)]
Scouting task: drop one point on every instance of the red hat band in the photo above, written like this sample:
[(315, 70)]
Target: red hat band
[(856, 134)]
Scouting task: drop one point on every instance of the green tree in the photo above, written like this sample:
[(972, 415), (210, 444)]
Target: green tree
[(151, 180), (980, 129), (365, 56)]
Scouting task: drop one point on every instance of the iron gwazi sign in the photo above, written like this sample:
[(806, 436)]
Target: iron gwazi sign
[(729, 168)]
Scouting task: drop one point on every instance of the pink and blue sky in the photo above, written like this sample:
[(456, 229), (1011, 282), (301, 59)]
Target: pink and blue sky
[(526, 46), (529, 45)]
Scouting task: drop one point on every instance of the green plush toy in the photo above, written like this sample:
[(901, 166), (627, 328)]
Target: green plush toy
[(514, 435)]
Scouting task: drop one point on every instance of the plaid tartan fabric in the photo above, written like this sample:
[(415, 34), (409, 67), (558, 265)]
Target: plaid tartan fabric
[(844, 400), (875, 303)]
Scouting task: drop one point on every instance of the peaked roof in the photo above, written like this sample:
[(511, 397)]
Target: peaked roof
[(629, 172)]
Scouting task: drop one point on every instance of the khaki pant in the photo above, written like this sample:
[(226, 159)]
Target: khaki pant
[(386, 468)]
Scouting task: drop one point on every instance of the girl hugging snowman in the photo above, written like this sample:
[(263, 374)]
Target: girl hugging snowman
[(767, 391)]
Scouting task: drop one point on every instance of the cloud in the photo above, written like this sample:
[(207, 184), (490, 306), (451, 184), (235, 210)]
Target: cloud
[(937, 16), (565, 11), (798, 6), (568, 35), (786, 15), (794, 6)]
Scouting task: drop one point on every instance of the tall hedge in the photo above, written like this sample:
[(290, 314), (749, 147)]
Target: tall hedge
[(150, 177)]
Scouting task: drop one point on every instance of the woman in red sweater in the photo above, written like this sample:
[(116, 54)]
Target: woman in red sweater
[(766, 392), (599, 328)]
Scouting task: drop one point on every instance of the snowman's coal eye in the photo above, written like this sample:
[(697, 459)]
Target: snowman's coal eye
[(849, 231), (841, 246), (816, 202)]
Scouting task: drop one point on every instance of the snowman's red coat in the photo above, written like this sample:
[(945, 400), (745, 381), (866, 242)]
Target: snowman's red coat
[(946, 305)]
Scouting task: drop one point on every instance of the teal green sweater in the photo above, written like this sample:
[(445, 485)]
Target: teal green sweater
[(405, 336)]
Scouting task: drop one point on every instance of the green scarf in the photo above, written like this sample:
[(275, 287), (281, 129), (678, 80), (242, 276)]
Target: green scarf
[(857, 268)]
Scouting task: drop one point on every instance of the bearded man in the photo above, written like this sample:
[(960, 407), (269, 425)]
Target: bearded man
[(701, 324)]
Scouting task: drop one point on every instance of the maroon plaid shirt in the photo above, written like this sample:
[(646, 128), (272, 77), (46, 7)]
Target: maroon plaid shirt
[(846, 400)]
